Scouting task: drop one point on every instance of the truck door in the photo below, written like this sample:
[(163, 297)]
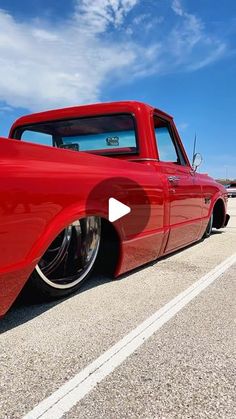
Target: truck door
[(184, 206)]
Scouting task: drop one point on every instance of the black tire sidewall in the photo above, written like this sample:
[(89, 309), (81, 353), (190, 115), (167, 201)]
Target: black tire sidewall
[(208, 230)]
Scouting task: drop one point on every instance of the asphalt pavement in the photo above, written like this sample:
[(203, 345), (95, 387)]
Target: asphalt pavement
[(185, 369)]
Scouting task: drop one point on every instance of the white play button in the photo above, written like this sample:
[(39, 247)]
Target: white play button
[(116, 209)]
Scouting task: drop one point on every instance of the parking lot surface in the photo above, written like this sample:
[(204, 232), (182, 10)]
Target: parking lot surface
[(185, 369)]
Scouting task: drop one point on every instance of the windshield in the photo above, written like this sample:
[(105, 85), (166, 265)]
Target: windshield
[(106, 134)]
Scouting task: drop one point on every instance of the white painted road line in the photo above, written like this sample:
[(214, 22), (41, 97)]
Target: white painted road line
[(69, 394)]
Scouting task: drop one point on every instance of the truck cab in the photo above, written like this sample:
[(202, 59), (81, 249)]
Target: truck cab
[(134, 132)]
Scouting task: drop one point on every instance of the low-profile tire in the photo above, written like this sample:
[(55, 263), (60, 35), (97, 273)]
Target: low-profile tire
[(208, 230), (67, 262)]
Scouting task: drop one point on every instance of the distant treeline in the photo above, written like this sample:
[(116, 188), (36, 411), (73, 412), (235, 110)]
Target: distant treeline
[(225, 181)]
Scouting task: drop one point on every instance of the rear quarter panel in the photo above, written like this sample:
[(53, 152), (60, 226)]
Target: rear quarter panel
[(43, 189)]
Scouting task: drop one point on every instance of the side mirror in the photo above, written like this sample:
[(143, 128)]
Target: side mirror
[(197, 160)]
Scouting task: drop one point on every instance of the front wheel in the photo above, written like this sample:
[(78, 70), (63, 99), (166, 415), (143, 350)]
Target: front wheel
[(68, 261), (209, 227)]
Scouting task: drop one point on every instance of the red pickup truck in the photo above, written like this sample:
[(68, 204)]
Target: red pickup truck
[(59, 171)]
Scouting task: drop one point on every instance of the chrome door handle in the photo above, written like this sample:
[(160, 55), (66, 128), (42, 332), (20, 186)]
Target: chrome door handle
[(173, 179)]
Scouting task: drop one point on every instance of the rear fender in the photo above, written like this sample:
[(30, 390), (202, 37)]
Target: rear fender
[(63, 219), (13, 280)]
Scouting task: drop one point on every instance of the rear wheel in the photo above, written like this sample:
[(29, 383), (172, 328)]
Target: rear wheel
[(68, 261)]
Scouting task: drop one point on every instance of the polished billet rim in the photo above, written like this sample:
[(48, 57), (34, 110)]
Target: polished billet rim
[(71, 256)]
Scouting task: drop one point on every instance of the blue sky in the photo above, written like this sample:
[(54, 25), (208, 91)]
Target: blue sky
[(179, 55)]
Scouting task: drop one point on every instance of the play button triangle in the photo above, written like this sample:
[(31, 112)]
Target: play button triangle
[(117, 209)]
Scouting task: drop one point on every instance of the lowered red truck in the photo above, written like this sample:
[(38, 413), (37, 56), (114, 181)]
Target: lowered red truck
[(59, 170)]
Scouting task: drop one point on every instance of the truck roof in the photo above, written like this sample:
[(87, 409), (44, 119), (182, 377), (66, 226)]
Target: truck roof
[(85, 110)]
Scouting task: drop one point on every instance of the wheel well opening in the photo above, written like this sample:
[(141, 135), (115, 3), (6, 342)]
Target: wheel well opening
[(218, 214), (109, 250)]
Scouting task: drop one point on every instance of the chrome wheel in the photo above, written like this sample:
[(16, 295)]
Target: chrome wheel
[(71, 256)]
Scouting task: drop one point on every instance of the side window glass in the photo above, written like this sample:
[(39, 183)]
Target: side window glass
[(168, 150), (37, 137), (165, 145)]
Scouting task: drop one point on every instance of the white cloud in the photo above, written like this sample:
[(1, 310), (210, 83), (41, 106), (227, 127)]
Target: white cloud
[(6, 108), (182, 126), (191, 40), (96, 16), (44, 66)]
